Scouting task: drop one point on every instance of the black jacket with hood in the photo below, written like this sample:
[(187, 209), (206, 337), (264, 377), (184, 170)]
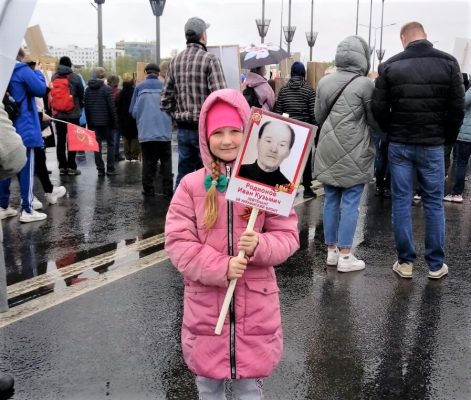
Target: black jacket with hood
[(419, 96), (100, 108)]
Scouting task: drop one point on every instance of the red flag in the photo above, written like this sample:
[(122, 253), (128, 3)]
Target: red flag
[(81, 139)]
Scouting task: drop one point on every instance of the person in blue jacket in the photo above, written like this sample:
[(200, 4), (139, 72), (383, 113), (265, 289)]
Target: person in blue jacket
[(25, 84), (154, 129)]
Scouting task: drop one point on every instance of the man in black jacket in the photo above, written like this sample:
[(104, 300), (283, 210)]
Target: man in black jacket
[(100, 110), (419, 102)]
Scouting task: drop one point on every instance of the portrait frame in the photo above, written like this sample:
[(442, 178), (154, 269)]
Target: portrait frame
[(252, 189)]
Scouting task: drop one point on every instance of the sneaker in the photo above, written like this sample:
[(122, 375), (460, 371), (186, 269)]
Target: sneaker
[(32, 216), (349, 263), (440, 273), (36, 204), (7, 212), (63, 171), (417, 197), (71, 171), (57, 192), (454, 198), (404, 270), (332, 257), (308, 193), (111, 173), (134, 160)]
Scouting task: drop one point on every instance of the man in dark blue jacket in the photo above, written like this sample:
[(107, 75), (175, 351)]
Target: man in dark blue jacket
[(25, 85), (419, 102), (100, 110)]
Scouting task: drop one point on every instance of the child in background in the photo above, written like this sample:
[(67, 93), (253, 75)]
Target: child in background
[(203, 232)]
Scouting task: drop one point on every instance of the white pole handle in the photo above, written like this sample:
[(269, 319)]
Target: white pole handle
[(232, 284)]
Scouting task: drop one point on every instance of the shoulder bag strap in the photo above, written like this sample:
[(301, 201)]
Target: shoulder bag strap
[(339, 93)]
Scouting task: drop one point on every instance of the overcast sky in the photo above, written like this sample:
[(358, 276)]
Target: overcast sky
[(67, 22)]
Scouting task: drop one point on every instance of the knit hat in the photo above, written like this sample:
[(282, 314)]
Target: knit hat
[(65, 61), (297, 69), (222, 115)]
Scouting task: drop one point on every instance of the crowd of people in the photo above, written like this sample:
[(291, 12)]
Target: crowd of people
[(395, 129)]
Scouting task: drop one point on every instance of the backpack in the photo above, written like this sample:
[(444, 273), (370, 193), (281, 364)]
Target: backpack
[(11, 106), (61, 95), (251, 97)]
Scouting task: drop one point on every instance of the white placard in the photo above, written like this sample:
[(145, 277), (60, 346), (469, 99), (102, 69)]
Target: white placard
[(14, 18), (270, 162), (462, 52), (230, 60)]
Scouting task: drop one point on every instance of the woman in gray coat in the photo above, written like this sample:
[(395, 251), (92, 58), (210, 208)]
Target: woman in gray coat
[(345, 153)]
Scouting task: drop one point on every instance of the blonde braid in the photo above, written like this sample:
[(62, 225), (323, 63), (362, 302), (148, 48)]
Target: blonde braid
[(210, 202)]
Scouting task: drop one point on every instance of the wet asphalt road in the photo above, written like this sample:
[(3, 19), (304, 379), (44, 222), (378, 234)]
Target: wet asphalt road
[(363, 335)]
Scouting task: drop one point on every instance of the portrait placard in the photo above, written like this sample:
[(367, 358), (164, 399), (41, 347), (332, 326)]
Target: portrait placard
[(270, 162)]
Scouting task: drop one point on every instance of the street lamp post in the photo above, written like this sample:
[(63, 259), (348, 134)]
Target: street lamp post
[(369, 30), (262, 24), (358, 10), (157, 10), (100, 32), (289, 30), (381, 51), (311, 36)]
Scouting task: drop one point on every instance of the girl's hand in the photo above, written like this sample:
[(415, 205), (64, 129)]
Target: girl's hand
[(236, 268), (248, 242)]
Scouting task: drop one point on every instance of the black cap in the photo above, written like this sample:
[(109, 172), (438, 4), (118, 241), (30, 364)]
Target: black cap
[(152, 68)]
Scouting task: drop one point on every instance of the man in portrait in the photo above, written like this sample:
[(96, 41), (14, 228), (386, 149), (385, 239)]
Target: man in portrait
[(274, 144)]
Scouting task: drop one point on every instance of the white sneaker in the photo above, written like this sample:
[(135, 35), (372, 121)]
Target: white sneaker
[(57, 192), (36, 204), (417, 197), (32, 216), (454, 198), (332, 257), (440, 273), (7, 212), (349, 263)]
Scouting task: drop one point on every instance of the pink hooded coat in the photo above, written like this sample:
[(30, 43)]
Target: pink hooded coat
[(253, 347), (265, 94)]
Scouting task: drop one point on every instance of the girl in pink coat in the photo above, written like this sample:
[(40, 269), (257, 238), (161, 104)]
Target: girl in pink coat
[(203, 233)]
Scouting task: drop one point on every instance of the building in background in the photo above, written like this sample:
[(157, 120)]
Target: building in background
[(141, 51), (87, 56)]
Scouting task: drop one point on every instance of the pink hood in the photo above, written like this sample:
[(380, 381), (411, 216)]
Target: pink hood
[(265, 94), (230, 96)]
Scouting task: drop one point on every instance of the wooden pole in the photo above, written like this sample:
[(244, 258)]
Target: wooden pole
[(232, 284)]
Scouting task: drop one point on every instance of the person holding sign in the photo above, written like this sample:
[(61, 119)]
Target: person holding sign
[(275, 140), (203, 232)]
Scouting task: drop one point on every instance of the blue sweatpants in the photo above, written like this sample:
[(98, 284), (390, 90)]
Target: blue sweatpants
[(26, 179)]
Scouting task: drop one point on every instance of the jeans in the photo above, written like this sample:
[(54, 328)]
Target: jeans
[(107, 134), (382, 174), (463, 151), (116, 136), (429, 164), (242, 389), (341, 214), (189, 157)]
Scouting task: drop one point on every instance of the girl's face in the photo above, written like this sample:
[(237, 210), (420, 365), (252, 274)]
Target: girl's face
[(224, 143)]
